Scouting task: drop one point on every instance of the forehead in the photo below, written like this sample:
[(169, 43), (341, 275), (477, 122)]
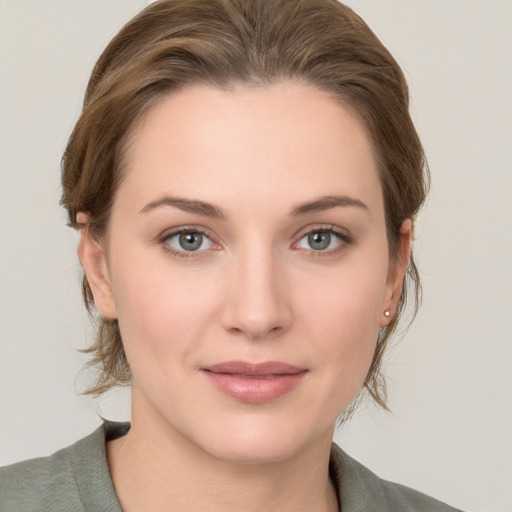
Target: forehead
[(282, 141)]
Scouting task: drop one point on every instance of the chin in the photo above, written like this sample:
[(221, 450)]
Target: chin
[(253, 452), (261, 441)]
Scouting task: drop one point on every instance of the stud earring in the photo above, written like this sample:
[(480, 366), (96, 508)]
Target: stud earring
[(387, 313)]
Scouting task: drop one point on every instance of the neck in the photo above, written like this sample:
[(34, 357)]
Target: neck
[(156, 469)]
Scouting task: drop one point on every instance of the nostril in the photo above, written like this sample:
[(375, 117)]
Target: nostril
[(257, 330)]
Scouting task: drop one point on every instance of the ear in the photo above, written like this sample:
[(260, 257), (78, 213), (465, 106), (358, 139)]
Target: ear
[(91, 254), (396, 274)]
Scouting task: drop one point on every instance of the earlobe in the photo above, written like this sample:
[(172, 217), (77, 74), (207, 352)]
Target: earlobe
[(396, 274), (92, 256)]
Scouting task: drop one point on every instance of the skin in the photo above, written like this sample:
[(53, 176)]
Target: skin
[(256, 290)]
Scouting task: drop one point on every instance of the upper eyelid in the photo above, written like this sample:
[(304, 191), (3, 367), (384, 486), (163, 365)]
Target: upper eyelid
[(170, 232), (343, 232)]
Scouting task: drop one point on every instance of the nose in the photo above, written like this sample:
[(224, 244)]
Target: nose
[(256, 303)]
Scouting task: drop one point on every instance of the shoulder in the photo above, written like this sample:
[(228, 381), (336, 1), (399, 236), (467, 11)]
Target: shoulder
[(23, 484), (36, 484), (66, 480), (362, 490)]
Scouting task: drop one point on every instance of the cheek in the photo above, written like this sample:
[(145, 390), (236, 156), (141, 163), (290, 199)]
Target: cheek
[(342, 316), (161, 310), (348, 299)]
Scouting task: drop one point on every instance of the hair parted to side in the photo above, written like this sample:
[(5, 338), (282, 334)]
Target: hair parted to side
[(177, 43)]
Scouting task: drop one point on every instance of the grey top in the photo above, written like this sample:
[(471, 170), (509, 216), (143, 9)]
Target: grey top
[(77, 478)]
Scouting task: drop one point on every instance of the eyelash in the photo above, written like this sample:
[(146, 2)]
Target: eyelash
[(184, 254), (343, 238)]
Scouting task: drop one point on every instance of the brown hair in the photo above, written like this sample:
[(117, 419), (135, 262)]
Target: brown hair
[(175, 43)]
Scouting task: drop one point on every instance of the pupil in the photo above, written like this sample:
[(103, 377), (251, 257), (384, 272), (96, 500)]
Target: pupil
[(191, 241), (319, 240)]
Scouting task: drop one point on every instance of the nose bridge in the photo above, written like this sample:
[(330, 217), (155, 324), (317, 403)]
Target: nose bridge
[(256, 303)]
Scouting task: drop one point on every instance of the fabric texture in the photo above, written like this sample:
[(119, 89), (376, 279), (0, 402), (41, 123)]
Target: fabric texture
[(77, 478)]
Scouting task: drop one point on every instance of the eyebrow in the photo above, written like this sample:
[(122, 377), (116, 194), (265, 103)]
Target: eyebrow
[(326, 203), (209, 210), (187, 205)]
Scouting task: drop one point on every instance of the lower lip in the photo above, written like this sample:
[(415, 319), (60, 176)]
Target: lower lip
[(255, 390)]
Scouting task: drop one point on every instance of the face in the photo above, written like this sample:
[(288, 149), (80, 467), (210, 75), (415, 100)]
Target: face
[(247, 263)]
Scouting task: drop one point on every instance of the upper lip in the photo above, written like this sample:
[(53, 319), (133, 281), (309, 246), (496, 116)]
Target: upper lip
[(254, 369)]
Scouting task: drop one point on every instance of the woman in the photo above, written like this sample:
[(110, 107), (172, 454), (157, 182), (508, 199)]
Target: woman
[(244, 177)]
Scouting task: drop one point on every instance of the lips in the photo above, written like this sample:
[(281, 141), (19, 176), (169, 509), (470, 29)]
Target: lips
[(254, 383)]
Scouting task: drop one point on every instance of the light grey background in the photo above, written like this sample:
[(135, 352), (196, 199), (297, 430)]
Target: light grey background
[(450, 433)]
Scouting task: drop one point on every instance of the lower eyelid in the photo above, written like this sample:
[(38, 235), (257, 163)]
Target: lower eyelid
[(343, 238)]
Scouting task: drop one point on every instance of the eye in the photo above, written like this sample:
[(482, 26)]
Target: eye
[(188, 241), (322, 240)]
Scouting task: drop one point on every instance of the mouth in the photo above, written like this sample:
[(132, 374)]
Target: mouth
[(254, 383)]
